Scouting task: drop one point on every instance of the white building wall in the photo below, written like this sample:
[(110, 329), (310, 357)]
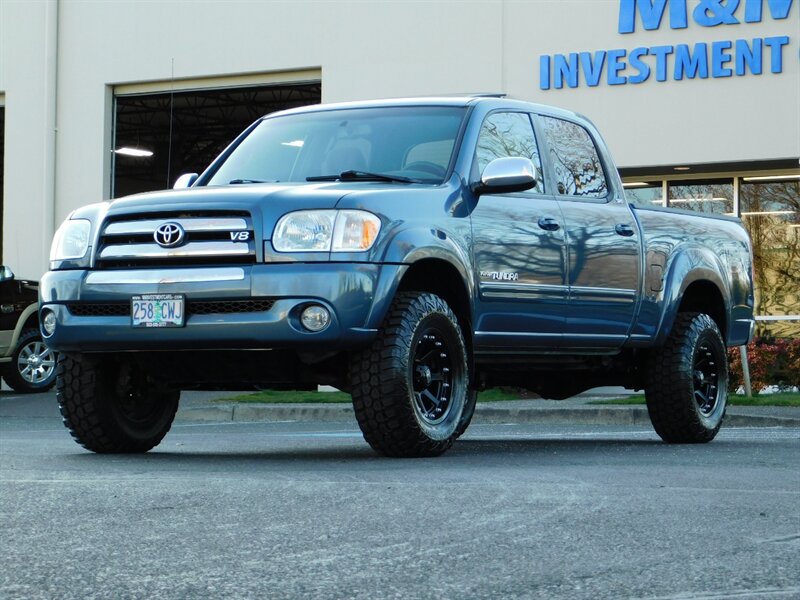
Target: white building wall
[(363, 50), (27, 48)]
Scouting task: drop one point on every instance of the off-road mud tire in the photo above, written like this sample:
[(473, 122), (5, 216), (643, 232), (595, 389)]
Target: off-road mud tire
[(92, 396), (383, 382), (675, 378)]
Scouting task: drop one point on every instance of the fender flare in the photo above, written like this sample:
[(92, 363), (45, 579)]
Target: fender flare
[(689, 265), (408, 247)]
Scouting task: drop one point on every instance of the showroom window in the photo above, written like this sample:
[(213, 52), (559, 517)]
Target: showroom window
[(771, 213), (159, 136), (707, 196), (644, 194)]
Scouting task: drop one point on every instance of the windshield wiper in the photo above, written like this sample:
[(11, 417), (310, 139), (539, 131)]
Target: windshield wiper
[(236, 181), (353, 175)]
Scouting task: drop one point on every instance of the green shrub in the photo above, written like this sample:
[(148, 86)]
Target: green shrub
[(772, 361)]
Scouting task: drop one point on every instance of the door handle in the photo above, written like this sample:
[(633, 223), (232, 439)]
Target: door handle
[(624, 230), (549, 224)]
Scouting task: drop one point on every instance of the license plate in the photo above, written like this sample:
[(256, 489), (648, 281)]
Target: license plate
[(157, 310)]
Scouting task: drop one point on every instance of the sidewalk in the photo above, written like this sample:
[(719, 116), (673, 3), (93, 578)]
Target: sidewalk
[(198, 407)]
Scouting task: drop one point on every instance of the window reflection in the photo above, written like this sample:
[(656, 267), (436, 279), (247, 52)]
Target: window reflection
[(507, 134), (645, 195), (771, 214), (577, 166), (706, 196)]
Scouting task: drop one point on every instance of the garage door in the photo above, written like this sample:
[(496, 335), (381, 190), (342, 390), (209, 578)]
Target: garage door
[(159, 136)]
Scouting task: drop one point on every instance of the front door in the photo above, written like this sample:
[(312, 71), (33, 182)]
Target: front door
[(519, 250)]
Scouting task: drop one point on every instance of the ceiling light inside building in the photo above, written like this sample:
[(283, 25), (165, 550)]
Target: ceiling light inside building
[(635, 184), (683, 168), (138, 152), (772, 178), (768, 212), (687, 200)]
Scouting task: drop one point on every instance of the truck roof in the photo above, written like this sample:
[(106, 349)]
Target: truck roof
[(493, 100)]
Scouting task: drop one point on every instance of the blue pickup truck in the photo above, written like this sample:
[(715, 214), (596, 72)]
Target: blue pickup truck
[(411, 252)]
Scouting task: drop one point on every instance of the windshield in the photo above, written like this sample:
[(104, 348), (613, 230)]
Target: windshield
[(413, 143)]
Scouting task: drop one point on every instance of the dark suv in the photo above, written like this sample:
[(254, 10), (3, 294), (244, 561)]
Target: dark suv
[(26, 364)]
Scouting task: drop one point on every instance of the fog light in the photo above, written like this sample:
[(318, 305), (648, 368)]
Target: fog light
[(315, 318), (49, 322)]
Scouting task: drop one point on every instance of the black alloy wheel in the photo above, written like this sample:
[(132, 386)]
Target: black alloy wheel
[(687, 381), (705, 378), (410, 388), (432, 376)]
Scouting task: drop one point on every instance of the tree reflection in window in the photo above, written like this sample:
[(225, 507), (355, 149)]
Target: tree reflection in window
[(577, 166), (714, 196), (506, 134), (771, 214)]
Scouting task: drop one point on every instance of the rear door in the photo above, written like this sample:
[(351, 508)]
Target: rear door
[(603, 246), (518, 248)]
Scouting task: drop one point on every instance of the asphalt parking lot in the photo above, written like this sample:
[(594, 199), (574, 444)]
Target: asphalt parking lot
[(306, 509)]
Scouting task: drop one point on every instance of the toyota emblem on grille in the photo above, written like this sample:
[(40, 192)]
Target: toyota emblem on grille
[(169, 235)]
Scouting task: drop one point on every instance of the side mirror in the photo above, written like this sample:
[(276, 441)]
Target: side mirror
[(185, 181), (506, 175), (6, 274)]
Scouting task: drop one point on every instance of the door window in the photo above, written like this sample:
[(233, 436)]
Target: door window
[(507, 134), (575, 160)]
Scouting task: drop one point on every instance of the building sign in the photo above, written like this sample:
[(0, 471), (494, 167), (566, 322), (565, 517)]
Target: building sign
[(727, 58)]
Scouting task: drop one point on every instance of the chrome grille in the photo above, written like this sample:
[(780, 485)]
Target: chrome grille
[(209, 240)]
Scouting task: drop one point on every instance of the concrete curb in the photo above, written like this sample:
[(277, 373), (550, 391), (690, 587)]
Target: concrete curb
[(586, 415)]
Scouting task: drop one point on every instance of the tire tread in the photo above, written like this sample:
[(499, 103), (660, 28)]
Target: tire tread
[(85, 413), (380, 393), (669, 390)]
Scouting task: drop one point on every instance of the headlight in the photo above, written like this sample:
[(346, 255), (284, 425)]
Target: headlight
[(326, 231), (71, 240), (355, 231)]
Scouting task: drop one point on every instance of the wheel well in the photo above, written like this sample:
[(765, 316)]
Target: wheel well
[(32, 322), (705, 297), (443, 279)]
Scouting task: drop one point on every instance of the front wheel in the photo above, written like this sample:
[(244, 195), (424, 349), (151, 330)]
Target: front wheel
[(410, 387), (687, 381), (33, 365), (110, 407)]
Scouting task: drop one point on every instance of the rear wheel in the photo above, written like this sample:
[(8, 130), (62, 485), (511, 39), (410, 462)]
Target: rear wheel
[(33, 365), (410, 387), (687, 381), (112, 408)]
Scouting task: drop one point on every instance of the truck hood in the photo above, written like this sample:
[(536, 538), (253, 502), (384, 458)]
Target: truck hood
[(265, 202)]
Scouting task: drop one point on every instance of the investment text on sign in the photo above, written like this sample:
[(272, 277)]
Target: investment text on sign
[(726, 58)]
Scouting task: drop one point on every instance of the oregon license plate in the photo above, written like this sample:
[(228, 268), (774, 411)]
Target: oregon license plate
[(158, 310)]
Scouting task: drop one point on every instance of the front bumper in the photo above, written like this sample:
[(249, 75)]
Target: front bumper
[(356, 294)]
